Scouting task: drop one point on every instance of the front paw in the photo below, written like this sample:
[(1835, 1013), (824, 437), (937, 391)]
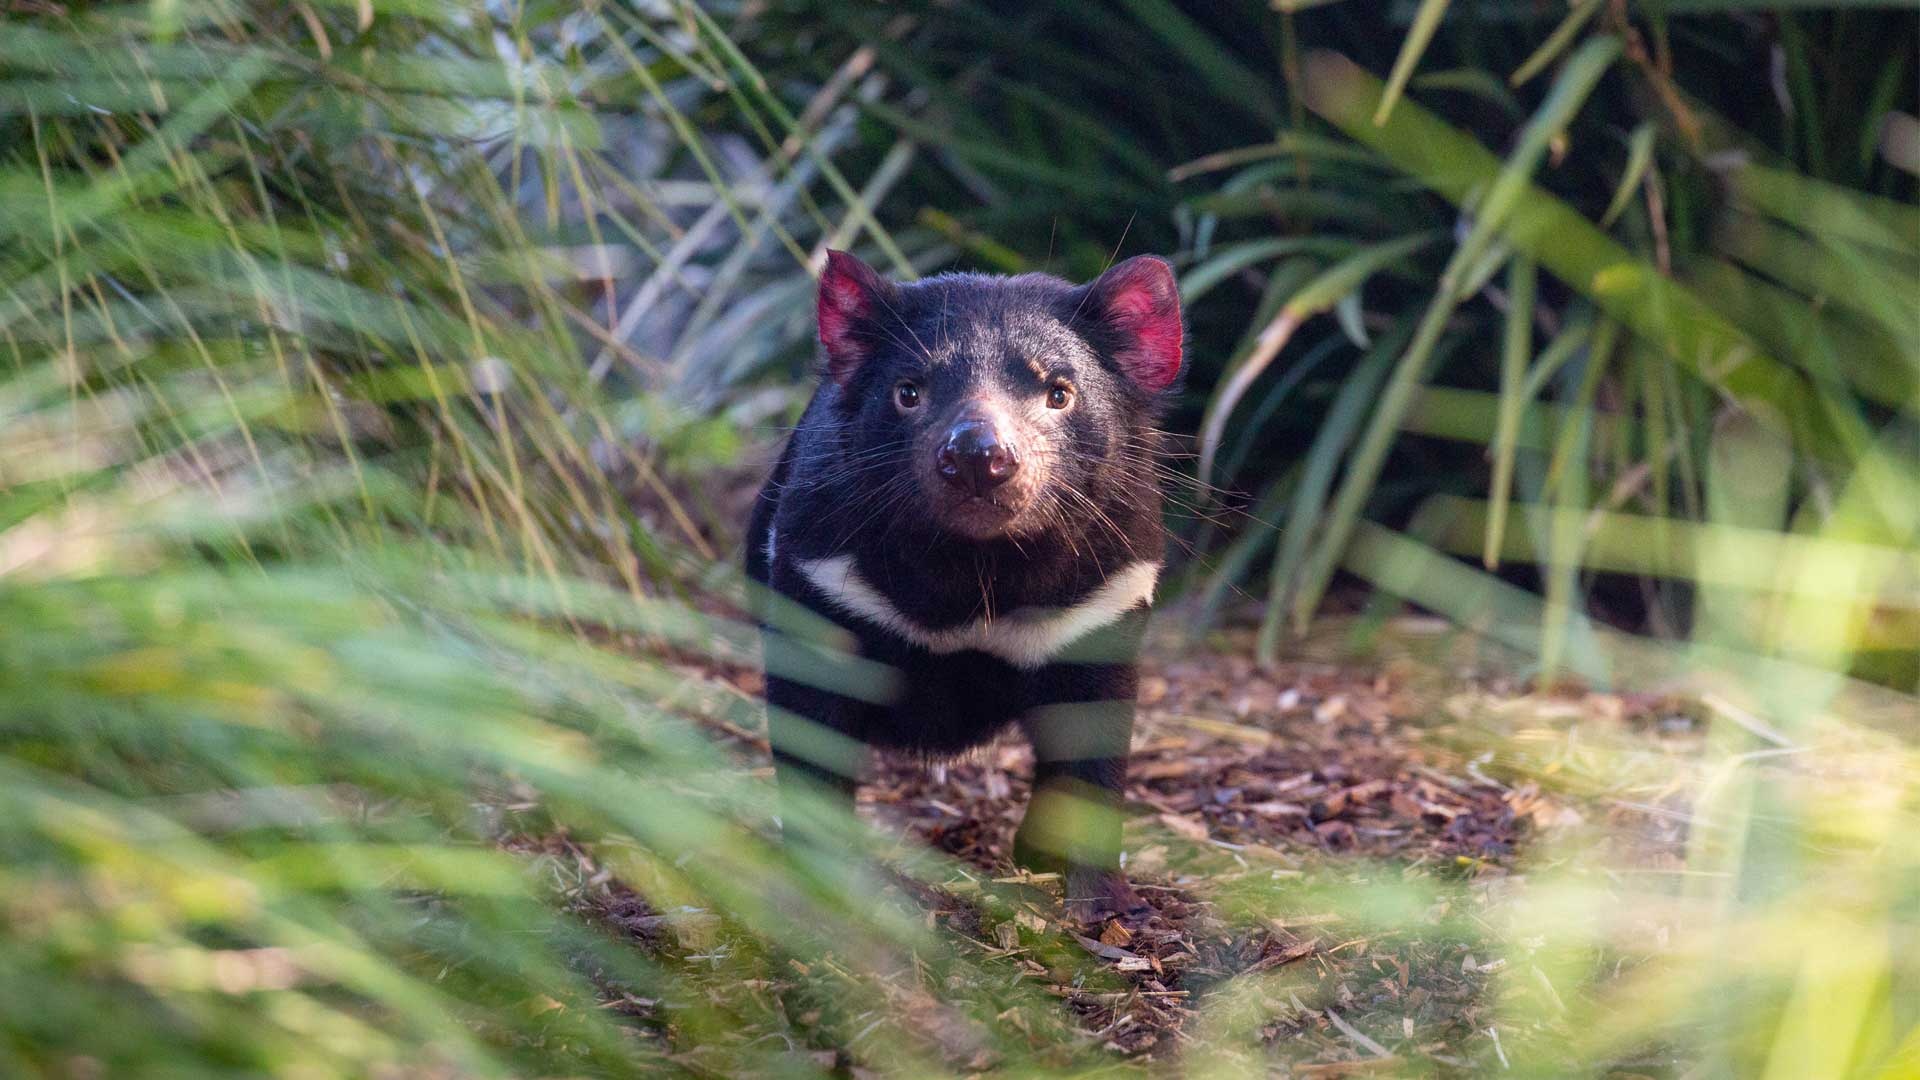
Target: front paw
[(1031, 855), (1094, 896)]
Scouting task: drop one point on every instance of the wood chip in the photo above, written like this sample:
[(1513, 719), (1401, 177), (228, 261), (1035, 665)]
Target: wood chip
[(1183, 826), (1357, 1035), (1105, 951)]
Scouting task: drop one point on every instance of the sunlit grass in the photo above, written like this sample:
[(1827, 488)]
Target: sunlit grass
[(362, 366), (307, 499)]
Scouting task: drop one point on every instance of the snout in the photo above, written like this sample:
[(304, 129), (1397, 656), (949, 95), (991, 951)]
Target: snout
[(976, 457)]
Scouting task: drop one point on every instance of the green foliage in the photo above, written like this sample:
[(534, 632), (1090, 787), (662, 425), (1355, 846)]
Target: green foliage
[(1665, 369), (1699, 258), (323, 609), (360, 364)]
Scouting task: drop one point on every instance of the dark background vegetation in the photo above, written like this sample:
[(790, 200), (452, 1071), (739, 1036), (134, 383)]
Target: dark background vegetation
[(381, 381)]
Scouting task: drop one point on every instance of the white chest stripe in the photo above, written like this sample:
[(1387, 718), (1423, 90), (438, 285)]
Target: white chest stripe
[(1025, 638)]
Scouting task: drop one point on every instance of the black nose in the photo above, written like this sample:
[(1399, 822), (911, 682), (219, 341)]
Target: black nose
[(975, 458)]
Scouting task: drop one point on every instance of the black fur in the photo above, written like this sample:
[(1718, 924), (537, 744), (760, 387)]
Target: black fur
[(856, 478)]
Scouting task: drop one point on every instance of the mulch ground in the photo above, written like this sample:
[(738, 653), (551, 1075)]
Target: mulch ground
[(1323, 848), (1242, 786)]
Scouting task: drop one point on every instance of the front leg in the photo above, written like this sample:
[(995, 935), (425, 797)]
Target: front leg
[(816, 765), (1073, 823)]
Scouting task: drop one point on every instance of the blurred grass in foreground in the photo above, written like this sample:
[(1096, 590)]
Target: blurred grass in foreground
[(1742, 422), (311, 516), (326, 612)]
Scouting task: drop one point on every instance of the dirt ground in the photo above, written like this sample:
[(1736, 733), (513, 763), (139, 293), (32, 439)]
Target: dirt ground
[(1327, 849)]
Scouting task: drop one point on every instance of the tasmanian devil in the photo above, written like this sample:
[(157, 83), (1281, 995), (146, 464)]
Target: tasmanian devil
[(971, 497)]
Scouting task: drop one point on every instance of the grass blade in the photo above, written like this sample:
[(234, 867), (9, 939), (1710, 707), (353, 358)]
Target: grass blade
[(1556, 42), (1516, 353), (1426, 20), (1639, 159), (1566, 484), (1315, 297), (1234, 81)]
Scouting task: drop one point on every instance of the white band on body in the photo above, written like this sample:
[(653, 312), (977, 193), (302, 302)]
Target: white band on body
[(1025, 637)]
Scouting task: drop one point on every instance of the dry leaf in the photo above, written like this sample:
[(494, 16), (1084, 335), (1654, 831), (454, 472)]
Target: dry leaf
[(1181, 825), (1153, 690), (1101, 949)]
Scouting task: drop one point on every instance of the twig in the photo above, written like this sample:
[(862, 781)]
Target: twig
[(1360, 1037)]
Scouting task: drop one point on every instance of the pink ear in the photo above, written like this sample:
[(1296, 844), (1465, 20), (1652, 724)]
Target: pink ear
[(1140, 303), (852, 296)]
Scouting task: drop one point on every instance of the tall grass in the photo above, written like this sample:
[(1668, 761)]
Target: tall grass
[(1579, 328), (1695, 239), (341, 552), (363, 629)]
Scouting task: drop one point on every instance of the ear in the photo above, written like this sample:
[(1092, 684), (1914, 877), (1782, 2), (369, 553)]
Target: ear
[(1137, 304), (853, 298)]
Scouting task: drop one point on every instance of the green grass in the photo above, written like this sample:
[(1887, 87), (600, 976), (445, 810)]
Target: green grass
[(320, 577), (366, 608)]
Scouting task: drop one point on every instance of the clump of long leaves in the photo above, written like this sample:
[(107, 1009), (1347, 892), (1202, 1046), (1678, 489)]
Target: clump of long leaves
[(322, 582), (1694, 209), (1701, 382), (1649, 353), (349, 352), (1614, 301)]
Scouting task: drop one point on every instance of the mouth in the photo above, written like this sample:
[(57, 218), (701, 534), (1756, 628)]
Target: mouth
[(979, 517)]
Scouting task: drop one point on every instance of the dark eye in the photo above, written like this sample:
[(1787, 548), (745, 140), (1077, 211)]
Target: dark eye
[(906, 395), (1060, 396)]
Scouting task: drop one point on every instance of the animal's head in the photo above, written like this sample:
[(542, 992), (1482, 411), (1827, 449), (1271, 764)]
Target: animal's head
[(1008, 402)]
